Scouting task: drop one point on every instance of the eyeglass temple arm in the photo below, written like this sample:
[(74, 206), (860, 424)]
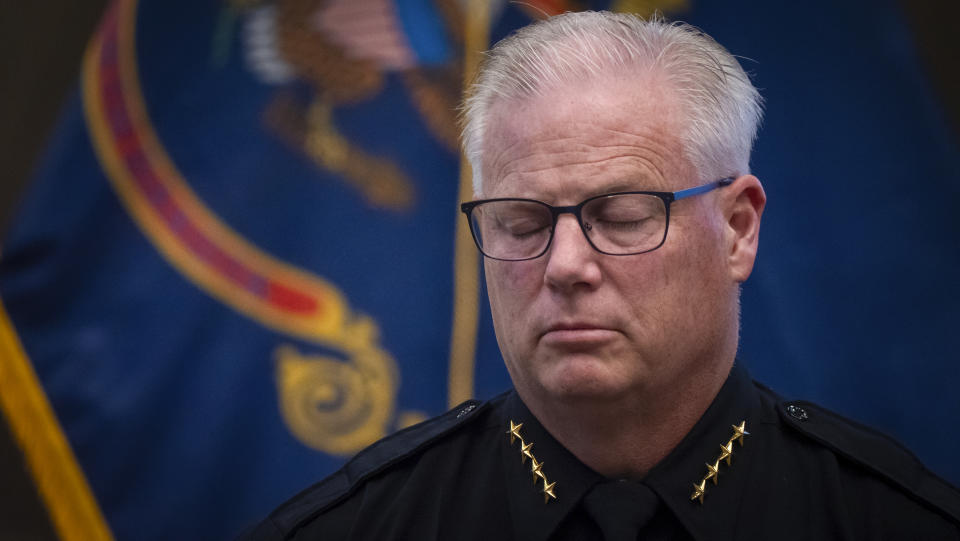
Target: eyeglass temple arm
[(689, 192)]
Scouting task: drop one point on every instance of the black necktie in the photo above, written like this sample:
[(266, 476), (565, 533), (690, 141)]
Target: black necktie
[(621, 508)]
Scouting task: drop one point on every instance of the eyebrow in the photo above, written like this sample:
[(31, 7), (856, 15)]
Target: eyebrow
[(625, 185), (622, 184)]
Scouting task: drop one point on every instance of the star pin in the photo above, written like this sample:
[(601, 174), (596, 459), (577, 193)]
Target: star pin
[(514, 432), (548, 490), (739, 431), (537, 469), (525, 452), (726, 452), (712, 472), (699, 491)]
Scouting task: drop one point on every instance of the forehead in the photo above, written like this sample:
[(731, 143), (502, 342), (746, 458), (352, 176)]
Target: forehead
[(584, 138)]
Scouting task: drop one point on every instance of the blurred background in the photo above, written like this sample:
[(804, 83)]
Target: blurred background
[(232, 256)]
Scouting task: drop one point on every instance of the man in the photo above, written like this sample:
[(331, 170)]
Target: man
[(618, 218)]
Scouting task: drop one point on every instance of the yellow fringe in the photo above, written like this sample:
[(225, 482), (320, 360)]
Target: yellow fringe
[(58, 477), (463, 342)]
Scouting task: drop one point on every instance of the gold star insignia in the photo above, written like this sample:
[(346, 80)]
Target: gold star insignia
[(726, 452), (739, 431), (525, 452), (699, 491), (548, 490), (712, 471), (514, 431), (535, 468)]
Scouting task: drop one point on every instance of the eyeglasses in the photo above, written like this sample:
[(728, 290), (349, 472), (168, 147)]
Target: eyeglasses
[(622, 223)]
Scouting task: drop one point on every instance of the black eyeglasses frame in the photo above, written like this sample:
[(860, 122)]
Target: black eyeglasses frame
[(667, 198)]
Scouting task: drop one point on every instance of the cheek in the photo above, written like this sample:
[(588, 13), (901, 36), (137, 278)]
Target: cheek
[(646, 287), (698, 279), (668, 288), (502, 294), (511, 281), (511, 286), (511, 293)]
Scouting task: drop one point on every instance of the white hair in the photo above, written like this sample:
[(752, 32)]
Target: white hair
[(720, 107)]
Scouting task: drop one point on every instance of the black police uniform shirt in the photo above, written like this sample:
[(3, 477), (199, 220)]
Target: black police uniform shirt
[(753, 467)]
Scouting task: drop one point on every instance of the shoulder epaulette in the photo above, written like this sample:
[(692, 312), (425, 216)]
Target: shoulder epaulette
[(369, 462), (874, 451)]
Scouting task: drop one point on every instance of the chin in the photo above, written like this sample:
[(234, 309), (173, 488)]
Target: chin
[(580, 379)]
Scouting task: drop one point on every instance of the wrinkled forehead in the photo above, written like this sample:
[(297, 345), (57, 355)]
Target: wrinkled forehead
[(627, 89), (604, 125)]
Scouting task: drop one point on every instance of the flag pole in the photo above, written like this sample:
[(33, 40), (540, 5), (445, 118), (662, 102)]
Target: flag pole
[(463, 341)]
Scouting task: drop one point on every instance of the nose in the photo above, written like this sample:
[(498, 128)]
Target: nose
[(571, 261)]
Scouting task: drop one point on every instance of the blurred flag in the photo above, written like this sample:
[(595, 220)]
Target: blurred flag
[(240, 261), (236, 267)]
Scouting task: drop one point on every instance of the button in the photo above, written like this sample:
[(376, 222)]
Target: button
[(466, 410), (797, 412)]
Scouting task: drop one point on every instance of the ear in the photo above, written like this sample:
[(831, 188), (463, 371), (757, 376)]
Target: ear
[(744, 203)]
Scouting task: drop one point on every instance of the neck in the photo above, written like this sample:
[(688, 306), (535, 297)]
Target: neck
[(626, 438)]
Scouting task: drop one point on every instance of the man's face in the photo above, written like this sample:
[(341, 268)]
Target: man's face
[(575, 324)]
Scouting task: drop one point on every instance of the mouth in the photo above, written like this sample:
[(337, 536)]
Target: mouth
[(577, 334), (573, 326)]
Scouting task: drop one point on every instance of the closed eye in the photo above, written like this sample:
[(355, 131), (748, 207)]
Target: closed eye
[(621, 225), (523, 227)]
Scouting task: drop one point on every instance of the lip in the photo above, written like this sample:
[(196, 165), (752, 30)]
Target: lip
[(574, 326), (574, 333)]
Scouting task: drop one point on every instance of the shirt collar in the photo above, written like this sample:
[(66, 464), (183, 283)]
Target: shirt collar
[(533, 519), (673, 479)]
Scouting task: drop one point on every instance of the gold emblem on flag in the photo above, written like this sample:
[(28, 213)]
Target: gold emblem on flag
[(336, 405)]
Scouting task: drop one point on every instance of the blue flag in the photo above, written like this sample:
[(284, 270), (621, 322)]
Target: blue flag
[(241, 260)]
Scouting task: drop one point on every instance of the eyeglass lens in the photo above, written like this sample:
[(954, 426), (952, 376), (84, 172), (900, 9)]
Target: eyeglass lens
[(615, 224)]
